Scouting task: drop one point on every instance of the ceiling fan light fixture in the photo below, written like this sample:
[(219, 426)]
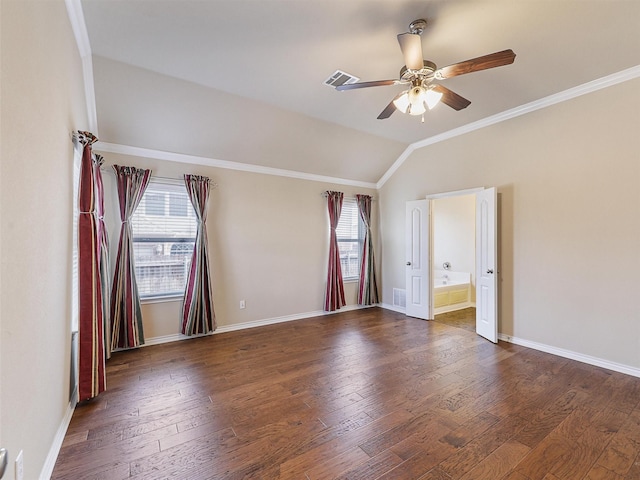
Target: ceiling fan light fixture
[(402, 102), (416, 108), (412, 101), (417, 95), (432, 98), (416, 100)]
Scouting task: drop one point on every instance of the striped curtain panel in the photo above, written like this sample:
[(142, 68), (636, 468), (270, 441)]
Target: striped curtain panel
[(334, 294), (368, 289), (104, 252), (198, 316), (126, 314), (91, 362)]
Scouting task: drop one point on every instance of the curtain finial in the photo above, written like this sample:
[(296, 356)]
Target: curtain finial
[(86, 138)]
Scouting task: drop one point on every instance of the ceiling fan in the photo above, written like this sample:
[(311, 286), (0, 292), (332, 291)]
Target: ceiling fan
[(420, 74)]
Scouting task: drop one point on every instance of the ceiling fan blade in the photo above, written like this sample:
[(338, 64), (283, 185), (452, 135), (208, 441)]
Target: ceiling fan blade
[(451, 98), (375, 83), (498, 59), (411, 46), (389, 109)]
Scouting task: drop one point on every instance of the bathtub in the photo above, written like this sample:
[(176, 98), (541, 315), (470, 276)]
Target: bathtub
[(451, 291)]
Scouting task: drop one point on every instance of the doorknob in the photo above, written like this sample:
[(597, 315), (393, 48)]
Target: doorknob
[(408, 263), (489, 271)]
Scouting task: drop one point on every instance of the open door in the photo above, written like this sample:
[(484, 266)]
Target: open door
[(418, 255), (486, 265)]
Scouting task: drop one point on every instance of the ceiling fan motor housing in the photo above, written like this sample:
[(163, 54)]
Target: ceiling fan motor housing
[(426, 71)]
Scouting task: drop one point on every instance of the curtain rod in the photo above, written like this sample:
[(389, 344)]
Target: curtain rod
[(212, 184), (107, 169), (76, 134), (324, 194)]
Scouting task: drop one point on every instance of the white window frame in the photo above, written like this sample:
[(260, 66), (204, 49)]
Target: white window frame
[(75, 275), (351, 204), (155, 185)]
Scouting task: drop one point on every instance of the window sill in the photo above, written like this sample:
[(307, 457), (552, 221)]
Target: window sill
[(162, 299), (351, 280)]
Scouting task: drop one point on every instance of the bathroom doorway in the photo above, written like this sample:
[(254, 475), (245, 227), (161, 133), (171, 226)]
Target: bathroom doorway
[(454, 260), (419, 272)]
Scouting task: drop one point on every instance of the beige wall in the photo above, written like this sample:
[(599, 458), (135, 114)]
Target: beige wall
[(268, 240), (146, 109), (569, 207), (42, 103)]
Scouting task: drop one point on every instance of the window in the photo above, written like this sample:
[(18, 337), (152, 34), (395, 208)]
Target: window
[(164, 230), (350, 233)]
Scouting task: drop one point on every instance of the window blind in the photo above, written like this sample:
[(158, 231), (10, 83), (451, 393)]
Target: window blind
[(164, 229), (350, 236)]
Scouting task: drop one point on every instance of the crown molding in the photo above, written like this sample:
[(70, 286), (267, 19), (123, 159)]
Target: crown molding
[(395, 166), (589, 87), (225, 164), (76, 17), (79, 27)]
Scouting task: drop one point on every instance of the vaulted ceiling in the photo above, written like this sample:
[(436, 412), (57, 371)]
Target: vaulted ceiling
[(243, 80)]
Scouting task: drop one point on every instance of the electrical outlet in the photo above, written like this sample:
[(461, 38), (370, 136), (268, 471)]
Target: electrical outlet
[(19, 467), (242, 304)]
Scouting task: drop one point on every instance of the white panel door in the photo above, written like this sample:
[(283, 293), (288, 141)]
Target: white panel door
[(418, 267), (486, 265)]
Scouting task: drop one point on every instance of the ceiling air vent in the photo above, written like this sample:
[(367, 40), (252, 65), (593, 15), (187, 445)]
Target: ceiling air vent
[(340, 78)]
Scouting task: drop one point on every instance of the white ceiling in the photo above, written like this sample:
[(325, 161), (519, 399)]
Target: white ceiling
[(277, 53)]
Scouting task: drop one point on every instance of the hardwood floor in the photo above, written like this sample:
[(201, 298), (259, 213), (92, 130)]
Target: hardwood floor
[(464, 318), (368, 394)]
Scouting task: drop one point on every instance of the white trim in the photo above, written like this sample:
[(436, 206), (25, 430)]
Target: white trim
[(589, 87), (252, 324), (393, 308), (79, 27), (165, 299), (52, 456), (226, 164), (396, 165), (561, 352), (456, 193), (76, 16)]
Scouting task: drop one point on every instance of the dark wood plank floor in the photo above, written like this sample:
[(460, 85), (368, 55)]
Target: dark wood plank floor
[(369, 394), (463, 318)]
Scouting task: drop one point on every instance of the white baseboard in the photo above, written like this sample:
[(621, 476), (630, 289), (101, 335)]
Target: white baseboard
[(580, 357), (52, 456), (598, 362), (255, 323), (393, 308), (561, 352)]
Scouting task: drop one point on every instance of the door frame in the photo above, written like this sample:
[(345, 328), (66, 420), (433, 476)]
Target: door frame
[(435, 196), (475, 192)]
